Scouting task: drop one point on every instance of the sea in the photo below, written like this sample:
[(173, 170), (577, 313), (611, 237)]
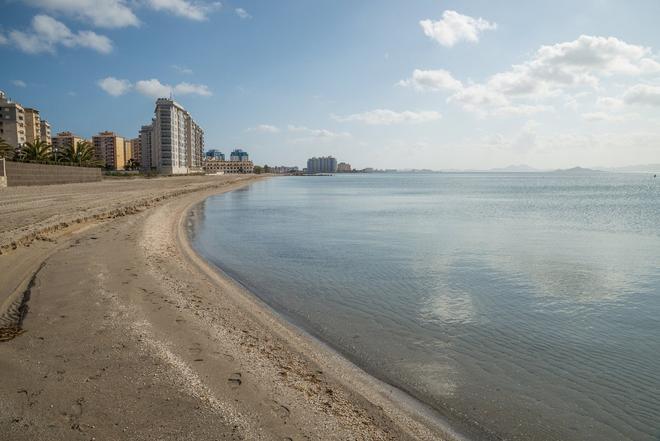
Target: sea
[(519, 306)]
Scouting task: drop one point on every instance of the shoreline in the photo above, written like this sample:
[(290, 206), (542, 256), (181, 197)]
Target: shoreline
[(400, 404), (170, 351)]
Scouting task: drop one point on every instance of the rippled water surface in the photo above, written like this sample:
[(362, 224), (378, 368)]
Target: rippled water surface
[(520, 306)]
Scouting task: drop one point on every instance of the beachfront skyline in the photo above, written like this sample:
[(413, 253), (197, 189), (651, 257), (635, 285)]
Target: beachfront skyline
[(429, 84)]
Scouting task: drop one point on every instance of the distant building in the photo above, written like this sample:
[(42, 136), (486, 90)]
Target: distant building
[(146, 137), (215, 154), (45, 132), (136, 150), (325, 164), (213, 166), (282, 170), (64, 140), (239, 155), (174, 140), (343, 167), (32, 125), (12, 122), (111, 149)]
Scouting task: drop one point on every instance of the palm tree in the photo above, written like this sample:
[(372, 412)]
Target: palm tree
[(82, 154), (35, 151), (6, 150)]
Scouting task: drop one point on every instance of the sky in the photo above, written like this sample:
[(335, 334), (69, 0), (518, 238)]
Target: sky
[(377, 83)]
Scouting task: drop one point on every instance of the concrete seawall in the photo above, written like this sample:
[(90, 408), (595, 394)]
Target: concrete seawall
[(15, 174)]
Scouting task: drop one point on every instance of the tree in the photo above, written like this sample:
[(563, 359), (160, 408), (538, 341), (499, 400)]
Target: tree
[(82, 154), (6, 150), (266, 169), (35, 151), (257, 169), (132, 164)]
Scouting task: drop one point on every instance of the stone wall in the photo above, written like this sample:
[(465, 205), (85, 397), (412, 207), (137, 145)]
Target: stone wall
[(23, 173), (3, 179)]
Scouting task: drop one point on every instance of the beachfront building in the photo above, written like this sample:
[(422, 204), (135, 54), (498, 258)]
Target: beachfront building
[(239, 155), (45, 132), (64, 140), (136, 150), (111, 149), (215, 166), (174, 140), (32, 125), (325, 164), (146, 135), (343, 167), (215, 154), (12, 122), (283, 170)]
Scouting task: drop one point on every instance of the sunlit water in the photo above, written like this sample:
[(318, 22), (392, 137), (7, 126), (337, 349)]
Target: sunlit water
[(520, 306)]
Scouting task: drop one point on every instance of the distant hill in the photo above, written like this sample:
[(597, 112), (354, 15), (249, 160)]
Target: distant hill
[(642, 168), (578, 170), (519, 168)]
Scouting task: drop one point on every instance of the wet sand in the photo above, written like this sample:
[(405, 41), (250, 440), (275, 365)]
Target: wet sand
[(127, 334)]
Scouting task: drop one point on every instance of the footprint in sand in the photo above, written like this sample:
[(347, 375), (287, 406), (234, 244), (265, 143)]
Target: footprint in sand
[(235, 379), (280, 410)]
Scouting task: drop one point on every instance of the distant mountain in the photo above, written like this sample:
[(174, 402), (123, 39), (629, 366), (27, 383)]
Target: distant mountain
[(519, 168), (642, 168), (578, 170)]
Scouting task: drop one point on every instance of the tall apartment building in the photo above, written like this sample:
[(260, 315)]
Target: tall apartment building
[(111, 149), (146, 144), (45, 132), (64, 140), (176, 141), (136, 150), (32, 125), (325, 164), (12, 121)]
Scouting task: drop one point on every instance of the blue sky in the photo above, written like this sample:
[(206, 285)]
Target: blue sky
[(425, 84)]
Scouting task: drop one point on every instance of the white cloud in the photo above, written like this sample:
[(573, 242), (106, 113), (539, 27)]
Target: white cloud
[(182, 70), (19, 83), (192, 89), (3, 39), (388, 117), (101, 13), (264, 128), (114, 86), (455, 27), (434, 80), (193, 10), (155, 89), (47, 33), (601, 117), (316, 134), (563, 70), (643, 94), (242, 13), (609, 103)]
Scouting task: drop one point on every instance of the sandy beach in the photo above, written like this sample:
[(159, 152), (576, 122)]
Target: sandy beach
[(122, 332)]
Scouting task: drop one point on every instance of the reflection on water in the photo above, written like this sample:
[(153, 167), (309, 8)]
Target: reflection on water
[(523, 306)]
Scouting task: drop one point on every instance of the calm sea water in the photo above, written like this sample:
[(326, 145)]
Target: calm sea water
[(520, 306)]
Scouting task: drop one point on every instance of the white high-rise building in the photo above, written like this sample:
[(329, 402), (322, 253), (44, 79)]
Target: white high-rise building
[(174, 140)]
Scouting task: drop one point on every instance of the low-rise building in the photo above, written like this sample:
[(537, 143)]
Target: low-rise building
[(215, 154), (214, 166), (343, 167)]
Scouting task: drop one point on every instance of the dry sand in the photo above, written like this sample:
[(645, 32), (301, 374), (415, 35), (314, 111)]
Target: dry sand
[(129, 335)]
